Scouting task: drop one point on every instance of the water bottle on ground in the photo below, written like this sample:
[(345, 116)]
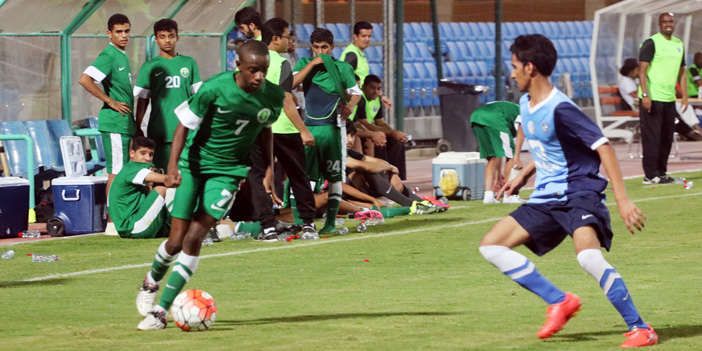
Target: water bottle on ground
[(241, 236), (38, 257), (309, 236), (361, 227), (286, 236), (443, 200), (8, 254), (339, 221), (342, 231), (30, 234), (207, 242)]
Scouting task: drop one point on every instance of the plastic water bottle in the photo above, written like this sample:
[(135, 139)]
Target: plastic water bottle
[(443, 200), (37, 257), (207, 242), (339, 221), (286, 237), (309, 236), (241, 236), (688, 184), (361, 227), (30, 234), (8, 254), (342, 231)]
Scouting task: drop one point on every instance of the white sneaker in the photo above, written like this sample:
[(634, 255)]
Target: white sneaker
[(489, 198), (146, 297), (154, 320), (111, 229), (513, 199)]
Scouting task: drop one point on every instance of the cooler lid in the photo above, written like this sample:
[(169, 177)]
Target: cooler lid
[(83, 180), (13, 181), (73, 156), (456, 158)]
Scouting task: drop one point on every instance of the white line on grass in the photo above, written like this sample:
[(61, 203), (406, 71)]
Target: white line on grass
[(319, 242)]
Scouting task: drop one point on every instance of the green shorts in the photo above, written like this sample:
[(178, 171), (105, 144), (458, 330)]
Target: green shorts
[(492, 142), (116, 150), (162, 154), (151, 220), (327, 158), (209, 193)]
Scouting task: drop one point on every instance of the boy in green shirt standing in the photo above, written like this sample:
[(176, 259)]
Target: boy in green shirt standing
[(167, 80), (138, 211), (115, 122), (328, 84), (224, 118)]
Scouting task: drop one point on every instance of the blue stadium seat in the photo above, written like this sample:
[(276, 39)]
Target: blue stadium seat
[(43, 151), (529, 27), (467, 30), (421, 85), (506, 54), (488, 29), (464, 51), (16, 150), (458, 31), (345, 31), (376, 69), (332, 28), (446, 32), (433, 79), (301, 33), (424, 52), (418, 32), (474, 51), (428, 33), (411, 54), (464, 72), (521, 28), (454, 54), (451, 71), (336, 52), (409, 82), (509, 31), (303, 52), (408, 33), (377, 32), (374, 54)]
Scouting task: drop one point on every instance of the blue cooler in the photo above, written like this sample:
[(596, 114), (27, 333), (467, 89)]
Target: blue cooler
[(80, 203), (14, 206), (467, 167)]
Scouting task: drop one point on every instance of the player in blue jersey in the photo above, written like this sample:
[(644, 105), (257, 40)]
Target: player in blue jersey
[(567, 149)]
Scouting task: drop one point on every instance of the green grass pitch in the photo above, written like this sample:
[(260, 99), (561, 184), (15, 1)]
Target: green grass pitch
[(424, 286)]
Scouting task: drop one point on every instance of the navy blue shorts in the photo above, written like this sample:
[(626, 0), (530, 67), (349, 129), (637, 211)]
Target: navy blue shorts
[(549, 223)]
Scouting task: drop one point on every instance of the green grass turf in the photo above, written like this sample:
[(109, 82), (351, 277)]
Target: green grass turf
[(425, 287)]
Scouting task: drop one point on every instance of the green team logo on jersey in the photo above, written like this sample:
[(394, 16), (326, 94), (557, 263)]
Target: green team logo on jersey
[(185, 72), (263, 115), (375, 108)]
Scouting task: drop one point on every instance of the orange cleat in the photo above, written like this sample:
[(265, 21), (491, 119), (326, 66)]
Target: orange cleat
[(558, 314), (640, 337)]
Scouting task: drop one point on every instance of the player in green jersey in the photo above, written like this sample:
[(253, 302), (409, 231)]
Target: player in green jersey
[(115, 122), (138, 210), (249, 22), (224, 118), (328, 84), (167, 80), (494, 127)]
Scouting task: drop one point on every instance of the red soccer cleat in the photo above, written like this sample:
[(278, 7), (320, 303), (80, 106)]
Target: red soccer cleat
[(435, 202), (558, 314), (640, 337)]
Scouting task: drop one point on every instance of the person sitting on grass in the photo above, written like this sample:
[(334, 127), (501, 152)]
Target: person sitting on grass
[(137, 199)]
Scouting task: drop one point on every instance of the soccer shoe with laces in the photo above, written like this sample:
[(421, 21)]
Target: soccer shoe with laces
[(435, 202), (270, 237), (558, 314), (419, 208), (368, 215), (146, 297), (154, 320), (439, 209), (638, 337), (309, 232)]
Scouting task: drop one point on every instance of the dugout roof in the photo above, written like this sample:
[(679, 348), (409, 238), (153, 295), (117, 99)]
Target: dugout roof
[(620, 29)]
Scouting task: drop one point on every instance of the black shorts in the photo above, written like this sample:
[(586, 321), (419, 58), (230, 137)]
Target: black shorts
[(549, 223)]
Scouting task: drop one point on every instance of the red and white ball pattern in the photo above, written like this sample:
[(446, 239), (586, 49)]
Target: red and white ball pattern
[(194, 310)]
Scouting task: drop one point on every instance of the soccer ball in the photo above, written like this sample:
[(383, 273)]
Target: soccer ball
[(194, 310)]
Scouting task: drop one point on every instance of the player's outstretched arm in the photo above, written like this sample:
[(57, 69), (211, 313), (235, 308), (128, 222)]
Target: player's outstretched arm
[(632, 216), (518, 182)]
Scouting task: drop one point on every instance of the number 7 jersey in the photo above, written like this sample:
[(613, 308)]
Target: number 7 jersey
[(562, 141), (223, 122)]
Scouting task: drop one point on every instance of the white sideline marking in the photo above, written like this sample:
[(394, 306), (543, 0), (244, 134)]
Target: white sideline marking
[(317, 242)]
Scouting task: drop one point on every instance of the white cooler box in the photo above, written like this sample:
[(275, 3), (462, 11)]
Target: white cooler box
[(467, 166)]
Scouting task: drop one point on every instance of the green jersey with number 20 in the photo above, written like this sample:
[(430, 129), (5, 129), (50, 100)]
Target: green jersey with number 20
[(224, 120), (167, 82)]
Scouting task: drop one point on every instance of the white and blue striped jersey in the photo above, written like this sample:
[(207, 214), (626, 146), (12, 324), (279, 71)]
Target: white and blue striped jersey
[(562, 140)]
